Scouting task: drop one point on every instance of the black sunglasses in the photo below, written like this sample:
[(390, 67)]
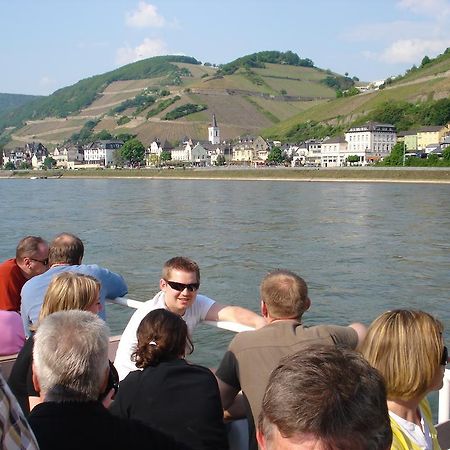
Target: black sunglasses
[(42, 261), (191, 287), (444, 360)]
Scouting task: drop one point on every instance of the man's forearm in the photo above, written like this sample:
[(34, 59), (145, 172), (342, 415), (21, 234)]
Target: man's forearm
[(245, 317)]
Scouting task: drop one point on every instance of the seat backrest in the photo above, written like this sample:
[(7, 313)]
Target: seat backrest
[(443, 430)]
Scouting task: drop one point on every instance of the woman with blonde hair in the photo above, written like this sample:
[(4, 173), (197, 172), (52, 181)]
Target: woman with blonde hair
[(66, 291), (408, 349)]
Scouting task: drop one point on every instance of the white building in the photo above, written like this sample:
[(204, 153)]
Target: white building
[(183, 152), (371, 141), (313, 156), (334, 152), (214, 132), (101, 152)]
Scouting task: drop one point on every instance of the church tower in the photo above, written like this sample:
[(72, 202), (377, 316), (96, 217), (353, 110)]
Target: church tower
[(213, 132)]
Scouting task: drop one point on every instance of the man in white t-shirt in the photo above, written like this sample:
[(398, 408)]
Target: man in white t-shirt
[(179, 293)]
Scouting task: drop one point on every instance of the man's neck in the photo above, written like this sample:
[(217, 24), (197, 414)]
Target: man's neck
[(282, 319), (60, 264), (23, 270)]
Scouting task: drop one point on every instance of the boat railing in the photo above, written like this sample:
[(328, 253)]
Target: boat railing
[(230, 326), (444, 393)]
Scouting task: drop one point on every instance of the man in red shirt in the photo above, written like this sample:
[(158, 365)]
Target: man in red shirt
[(31, 259)]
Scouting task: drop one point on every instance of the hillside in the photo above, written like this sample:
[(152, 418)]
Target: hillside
[(420, 97), (145, 99), (12, 101)]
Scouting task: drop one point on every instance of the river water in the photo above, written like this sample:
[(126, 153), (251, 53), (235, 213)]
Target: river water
[(362, 247)]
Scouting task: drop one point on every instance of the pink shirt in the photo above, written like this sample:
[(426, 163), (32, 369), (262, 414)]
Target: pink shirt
[(12, 336)]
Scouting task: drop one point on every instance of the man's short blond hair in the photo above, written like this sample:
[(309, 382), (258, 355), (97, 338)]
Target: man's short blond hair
[(406, 346), (285, 294), (180, 263)]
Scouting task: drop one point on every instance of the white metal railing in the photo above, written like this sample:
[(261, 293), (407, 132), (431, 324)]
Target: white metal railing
[(230, 326), (444, 399), (444, 393)]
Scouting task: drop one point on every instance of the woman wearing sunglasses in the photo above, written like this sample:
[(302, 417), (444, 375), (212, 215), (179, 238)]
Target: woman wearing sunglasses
[(179, 398), (407, 347)]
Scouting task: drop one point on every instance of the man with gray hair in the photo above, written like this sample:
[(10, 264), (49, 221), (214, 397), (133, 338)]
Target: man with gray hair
[(326, 398), (71, 373)]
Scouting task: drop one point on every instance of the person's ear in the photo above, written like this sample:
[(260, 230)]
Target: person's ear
[(261, 440), (162, 284), (263, 309), (105, 380), (36, 385), (307, 303)]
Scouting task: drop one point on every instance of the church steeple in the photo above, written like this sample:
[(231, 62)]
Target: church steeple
[(213, 132)]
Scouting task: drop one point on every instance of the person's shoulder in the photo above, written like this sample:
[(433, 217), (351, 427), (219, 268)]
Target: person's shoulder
[(37, 281), (245, 338), (339, 333), (132, 378), (144, 309), (9, 265), (204, 299), (202, 370)]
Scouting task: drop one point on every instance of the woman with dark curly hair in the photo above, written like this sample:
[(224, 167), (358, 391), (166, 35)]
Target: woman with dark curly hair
[(179, 398)]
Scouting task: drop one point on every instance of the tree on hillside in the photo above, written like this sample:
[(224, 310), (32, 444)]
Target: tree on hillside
[(103, 135), (352, 159), (125, 137), (165, 156), (133, 151), (49, 162), (396, 156), (446, 154), (118, 159), (24, 165), (220, 161), (426, 60), (275, 155)]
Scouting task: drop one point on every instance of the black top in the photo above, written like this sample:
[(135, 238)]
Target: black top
[(179, 398), (20, 379), (89, 426)]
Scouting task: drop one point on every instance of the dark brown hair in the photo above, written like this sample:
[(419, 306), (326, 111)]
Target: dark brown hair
[(66, 248), (28, 246), (162, 336), (332, 393)]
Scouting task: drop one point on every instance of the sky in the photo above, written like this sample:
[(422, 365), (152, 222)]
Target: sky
[(50, 44)]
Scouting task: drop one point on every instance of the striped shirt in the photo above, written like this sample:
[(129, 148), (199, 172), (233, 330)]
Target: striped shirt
[(15, 433)]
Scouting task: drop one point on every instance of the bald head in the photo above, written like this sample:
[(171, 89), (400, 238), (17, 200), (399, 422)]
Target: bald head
[(285, 294), (66, 248)]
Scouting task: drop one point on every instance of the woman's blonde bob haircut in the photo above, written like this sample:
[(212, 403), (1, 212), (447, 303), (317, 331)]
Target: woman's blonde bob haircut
[(406, 347), (70, 290)]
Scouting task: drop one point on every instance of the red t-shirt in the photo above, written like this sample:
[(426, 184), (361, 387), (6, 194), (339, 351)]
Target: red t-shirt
[(11, 282)]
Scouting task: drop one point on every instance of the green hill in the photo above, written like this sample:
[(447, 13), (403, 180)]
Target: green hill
[(420, 97), (9, 102), (172, 97)]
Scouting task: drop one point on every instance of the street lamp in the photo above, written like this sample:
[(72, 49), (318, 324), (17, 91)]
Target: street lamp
[(404, 153)]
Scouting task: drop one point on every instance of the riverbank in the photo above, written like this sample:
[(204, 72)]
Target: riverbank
[(352, 174)]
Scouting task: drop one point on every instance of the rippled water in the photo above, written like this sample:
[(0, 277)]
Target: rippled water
[(363, 248)]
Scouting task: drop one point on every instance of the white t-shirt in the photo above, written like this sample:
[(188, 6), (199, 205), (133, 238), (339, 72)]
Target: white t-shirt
[(193, 315), (421, 438)]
